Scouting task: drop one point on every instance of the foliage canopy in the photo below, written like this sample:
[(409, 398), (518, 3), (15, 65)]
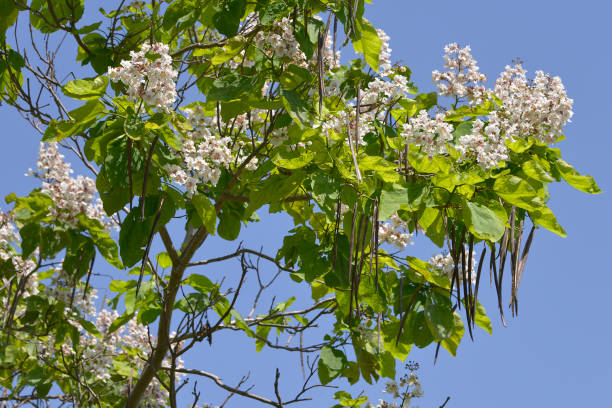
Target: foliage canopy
[(192, 115)]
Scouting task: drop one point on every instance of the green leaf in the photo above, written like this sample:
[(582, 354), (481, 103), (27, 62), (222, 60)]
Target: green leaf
[(469, 111), (517, 191), (381, 168), (389, 334), (429, 273), (133, 237), (483, 222), (119, 322), (230, 87), (544, 216), (534, 170), (433, 222), (87, 88), (107, 247), (291, 159), (241, 323), (8, 16), (345, 400), (583, 183), (230, 50), (206, 212), (451, 343), (134, 126), (164, 260), (331, 364), (193, 303), (262, 333), (176, 10), (481, 319), (229, 225), (200, 283), (368, 43), (30, 239), (439, 317), (89, 28), (82, 118), (227, 20), (520, 145), (273, 10), (427, 100), (89, 327), (387, 364), (298, 108), (121, 286)]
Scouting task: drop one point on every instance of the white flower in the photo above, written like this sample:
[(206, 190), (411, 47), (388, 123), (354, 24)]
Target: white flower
[(446, 264), (71, 196), (428, 133), (462, 78), (394, 233), (148, 75), (538, 108)]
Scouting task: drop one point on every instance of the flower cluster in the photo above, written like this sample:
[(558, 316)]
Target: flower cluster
[(539, 108), (23, 267), (345, 121), (7, 235), (280, 42), (98, 354), (409, 387), (60, 287), (331, 58), (71, 196), (384, 92), (374, 100), (394, 232), (148, 75), (446, 264), (384, 58), (462, 78), (204, 154), (431, 134), (135, 4), (484, 144)]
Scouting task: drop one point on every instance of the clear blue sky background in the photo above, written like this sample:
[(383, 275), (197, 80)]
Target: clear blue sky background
[(557, 352)]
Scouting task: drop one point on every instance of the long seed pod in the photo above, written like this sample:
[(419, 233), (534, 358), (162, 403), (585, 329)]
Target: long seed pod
[(357, 263), (524, 256), (320, 68), (405, 314), (337, 228), (146, 177), (89, 272), (351, 250), (373, 239), (478, 272), (335, 37), (454, 254), (512, 253), (498, 290), (376, 243), (359, 271), (503, 248), (129, 165), (469, 276), (466, 295)]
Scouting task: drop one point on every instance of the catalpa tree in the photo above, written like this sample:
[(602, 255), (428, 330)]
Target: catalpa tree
[(192, 115)]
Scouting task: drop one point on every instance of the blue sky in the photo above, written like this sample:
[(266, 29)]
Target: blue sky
[(556, 352)]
